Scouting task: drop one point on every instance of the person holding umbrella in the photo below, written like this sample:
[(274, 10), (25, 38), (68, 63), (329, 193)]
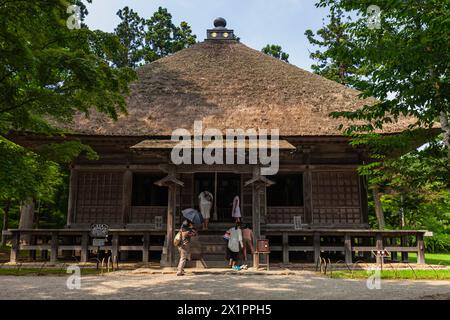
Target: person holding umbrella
[(187, 231)]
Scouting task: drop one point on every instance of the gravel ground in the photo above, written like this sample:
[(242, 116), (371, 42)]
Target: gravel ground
[(304, 285)]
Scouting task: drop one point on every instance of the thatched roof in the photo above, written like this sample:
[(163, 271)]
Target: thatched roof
[(229, 86)]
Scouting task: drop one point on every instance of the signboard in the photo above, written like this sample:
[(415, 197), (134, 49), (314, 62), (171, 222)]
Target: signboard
[(297, 222), (99, 230), (98, 242)]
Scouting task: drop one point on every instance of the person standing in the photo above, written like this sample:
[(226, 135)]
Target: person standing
[(247, 235), (235, 243), (187, 232), (205, 202), (236, 211)]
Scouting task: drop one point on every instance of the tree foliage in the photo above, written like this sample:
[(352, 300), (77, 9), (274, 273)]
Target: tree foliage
[(276, 51), (49, 72), (147, 40)]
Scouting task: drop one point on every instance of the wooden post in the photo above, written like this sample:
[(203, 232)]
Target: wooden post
[(348, 249), (316, 244), (127, 196), (307, 185), (285, 248), (15, 249), (256, 216), (379, 245), (145, 247), (54, 248), (84, 247), (405, 257), (171, 223), (420, 249), (115, 246), (73, 186)]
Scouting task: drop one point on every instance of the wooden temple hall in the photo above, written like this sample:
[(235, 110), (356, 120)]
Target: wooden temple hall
[(315, 206)]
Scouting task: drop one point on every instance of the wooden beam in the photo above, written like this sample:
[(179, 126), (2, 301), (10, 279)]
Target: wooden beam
[(127, 196), (348, 249), (420, 249), (405, 256), (379, 245), (256, 214), (115, 246), (171, 207), (54, 247), (73, 186), (14, 256), (84, 247), (316, 244), (285, 248), (307, 197), (146, 247)]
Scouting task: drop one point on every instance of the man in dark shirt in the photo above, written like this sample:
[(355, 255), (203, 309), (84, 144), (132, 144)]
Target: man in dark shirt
[(187, 232)]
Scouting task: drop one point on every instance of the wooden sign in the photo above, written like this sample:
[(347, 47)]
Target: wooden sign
[(298, 222), (99, 230), (97, 242)]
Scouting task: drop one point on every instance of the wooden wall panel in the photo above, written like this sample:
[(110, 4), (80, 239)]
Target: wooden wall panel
[(284, 215), (147, 215), (336, 198), (99, 197)]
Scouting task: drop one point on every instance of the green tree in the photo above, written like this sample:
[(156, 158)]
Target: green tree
[(406, 57), (131, 34), (48, 72), (335, 59), (276, 51), (163, 38)]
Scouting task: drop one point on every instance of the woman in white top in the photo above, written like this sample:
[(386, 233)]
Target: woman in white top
[(236, 211), (205, 202), (235, 243)]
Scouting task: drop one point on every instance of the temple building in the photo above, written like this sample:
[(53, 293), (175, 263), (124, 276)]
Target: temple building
[(315, 206)]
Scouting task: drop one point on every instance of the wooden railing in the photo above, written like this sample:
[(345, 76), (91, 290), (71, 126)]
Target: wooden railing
[(53, 240), (366, 241)]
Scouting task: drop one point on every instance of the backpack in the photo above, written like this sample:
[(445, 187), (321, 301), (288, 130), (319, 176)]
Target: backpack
[(177, 239)]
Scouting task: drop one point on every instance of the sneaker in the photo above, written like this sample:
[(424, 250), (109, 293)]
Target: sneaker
[(180, 274)]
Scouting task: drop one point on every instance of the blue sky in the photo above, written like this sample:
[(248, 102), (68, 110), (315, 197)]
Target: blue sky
[(256, 22)]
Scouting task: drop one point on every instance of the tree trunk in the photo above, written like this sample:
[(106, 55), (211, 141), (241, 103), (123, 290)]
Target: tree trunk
[(378, 208), (402, 212), (5, 222), (446, 128), (26, 217)]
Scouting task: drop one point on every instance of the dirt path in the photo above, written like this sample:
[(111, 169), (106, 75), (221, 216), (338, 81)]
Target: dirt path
[(305, 285)]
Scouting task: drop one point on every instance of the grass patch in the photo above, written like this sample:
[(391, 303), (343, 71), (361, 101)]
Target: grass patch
[(43, 272), (432, 258), (398, 274)]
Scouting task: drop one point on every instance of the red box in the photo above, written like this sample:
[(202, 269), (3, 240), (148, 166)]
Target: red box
[(262, 246)]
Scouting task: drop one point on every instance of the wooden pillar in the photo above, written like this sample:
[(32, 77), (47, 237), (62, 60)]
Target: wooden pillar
[(84, 247), (15, 249), (420, 249), (348, 249), (54, 248), (364, 201), (405, 257), (256, 216), (115, 246), (379, 245), (307, 185), (145, 247), (171, 207), (73, 186), (316, 244), (285, 248), (127, 196)]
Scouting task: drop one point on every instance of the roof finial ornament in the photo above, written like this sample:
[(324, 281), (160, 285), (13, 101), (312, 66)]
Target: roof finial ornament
[(220, 32), (220, 23)]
